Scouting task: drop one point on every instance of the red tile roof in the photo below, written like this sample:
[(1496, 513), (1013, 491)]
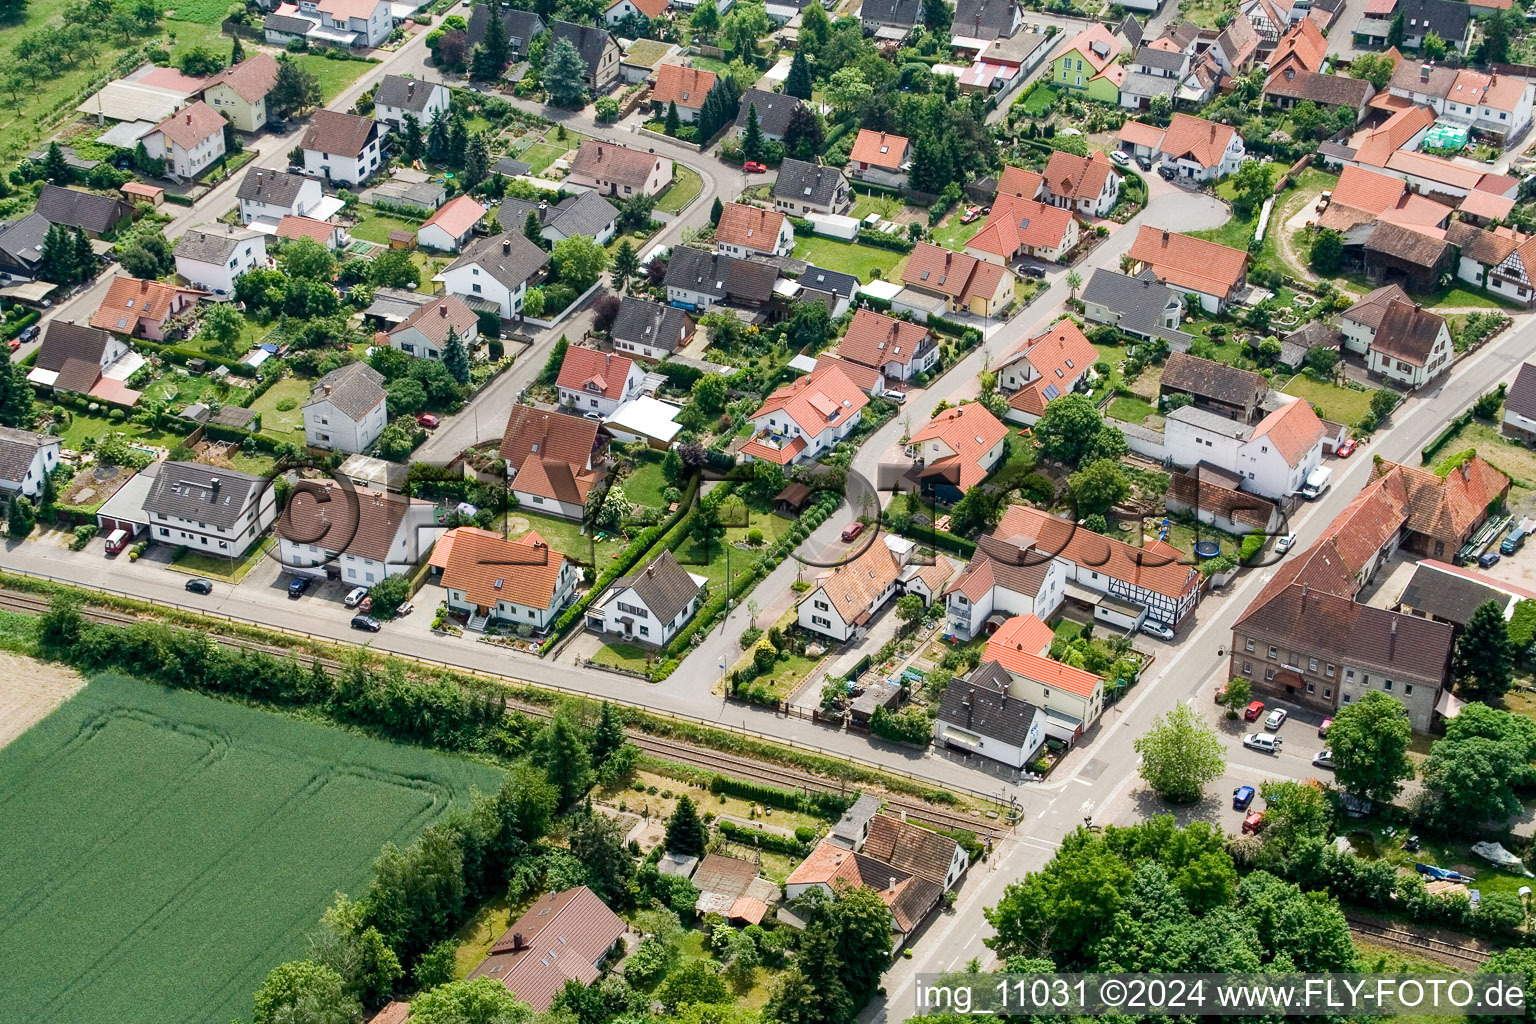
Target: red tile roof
[(970, 432), (1303, 45), (879, 149), (1202, 141), (1393, 134), (1138, 134), (1158, 567), (686, 87), (1487, 205), (1293, 429), (305, 227), (1016, 223), (563, 936), (131, 301), (956, 275), (823, 399), (1187, 262), (1077, 177), (489, 569), (751, 227), (592, 372), (251, 79), (1097, 45), (1041, 669), (1016, 181), (874, 340), (867, 378), (191, 125), (1025, 633), (457, 216)]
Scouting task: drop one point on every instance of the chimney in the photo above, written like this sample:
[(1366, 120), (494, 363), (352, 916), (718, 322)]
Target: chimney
[(189, 119), (1424, 73), (213, 485), (442, 311), (518, 942), (1466, 471), (327, 388), (1392, 641), (893, 883), (1165, 236), (506, 247)]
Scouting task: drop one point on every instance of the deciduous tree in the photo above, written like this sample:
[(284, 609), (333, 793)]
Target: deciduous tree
[(1180, 753), (1369, 740)]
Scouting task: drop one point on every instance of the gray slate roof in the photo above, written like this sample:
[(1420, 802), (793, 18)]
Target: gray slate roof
[(206, 494), (269, 185), (1447, 596), (65, 341), (648, 323), (833, 281), (905, 13), (1139, 301), (984, 19), (22, 241), (1521, 397), (724, 277), (509, 257), (980, 703), (206, 246), (77, 209), (584, 214), (589, 42), (510, 167), (404, 93), (773, 111), (287, 24), (808, 183), (354, 389), (1139, 84), (1163, 60), (520, 26), (664, 586), (17, 450)]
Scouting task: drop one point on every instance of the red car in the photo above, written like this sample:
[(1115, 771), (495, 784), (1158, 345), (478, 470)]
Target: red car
[(1347, 448), (1254, 711), (1253, 822), (15, 344), (427, 420), (970, 214), (753, 167), (1322, 730), (852, 530)]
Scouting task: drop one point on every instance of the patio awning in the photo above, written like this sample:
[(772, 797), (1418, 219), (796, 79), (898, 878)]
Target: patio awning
[(28, 291)]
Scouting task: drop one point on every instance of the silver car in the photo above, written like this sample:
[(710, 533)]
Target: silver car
[(1162, 631)]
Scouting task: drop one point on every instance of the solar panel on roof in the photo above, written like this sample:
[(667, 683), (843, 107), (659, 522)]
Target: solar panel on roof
[(1051, 392)]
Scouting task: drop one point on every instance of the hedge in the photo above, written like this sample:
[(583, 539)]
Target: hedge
[(762, 839), (950, 327), (1428, 451), (940, 539), (181, 354), (678, 374), (177, 199), (881, 240), (21, 323), (822, 805), (238, 435)]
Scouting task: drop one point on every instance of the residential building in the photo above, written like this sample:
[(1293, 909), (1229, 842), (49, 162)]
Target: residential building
[(1087, 185), (21, 248), (1448, 593), (649, 329), (651, 605), (831, 868), (1411, 346), (986, 19), (212, 260), (1237, 46), (1154, 71), (965, 283), (344, 149), (520, 583), (1215, 497), (269, 194), (397, 96), (189, 141), (1140, 306), (424, 334), (1520, 405), (890, 21), (597, 382), (551, 461), (619, 171), (1024, 227), (1303, 47), (76, 358), (621, 9), (957, 450), (683, 86), (881, 158), (805, 188), (498, 270), (832, 288), (346, 409), (1449, 19), (701, 280), (898, 349), (140, 309), (332, 236), (845, 599), (1082, 61), (1070, 698), (521, 27), (1271, 458), (977, 715), (1020, 183), (366, 536), (1201, 150), (26, 459), (1287, 88), (774, 110), (586, 214), (355, 23), (97, 215), (209, 509), (1006, 577), (1041, 369), (1214, 272), (599, 52), (1216, 387), (804, 418), (240, 92), (424, 196), (451, 227), (751, 230)]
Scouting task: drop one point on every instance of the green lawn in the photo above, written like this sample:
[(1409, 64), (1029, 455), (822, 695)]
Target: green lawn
[(686, 184), (866, 203), (220, 826), (1513, 460), (1340, 404), (229, 570), (204, 12), (645, 484), (564, 536), (952, 234), (1040, 100), (1458, 297), (1131, 408), (625, 656), (283, 424), (864, 262), (87, 425), (375, 227), (334, 75), (710, 561)]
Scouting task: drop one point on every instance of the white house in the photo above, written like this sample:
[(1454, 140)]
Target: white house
[(650, 605), (1400, 341), (497, 270), (189, 141), (751, 230), (209, 509), (1071, 698), (346, 409), (1271, 458), (551, 461), (978, 715), (649, 329), (397, 96), (452, 225), (1085, 185), (1005, 577), (957, 450), (848, 597), (269, 194), (345, 149), (366, 535), (1043, 368), (898, 349), (805, 417), (424, 333), (1197, 149), (367, 22), (1520, 405), (621, 9), (212, 259), (25, 459), (597, 382), (523, 583)]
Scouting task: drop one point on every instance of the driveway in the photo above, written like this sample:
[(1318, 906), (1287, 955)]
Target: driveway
[(1179, 209)]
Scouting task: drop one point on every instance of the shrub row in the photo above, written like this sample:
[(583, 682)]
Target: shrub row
[(21, 323), (823, 805), (940, 539), (178, 200), (762, 839), (881, 240), (1428, 451), (181, 354), (909, 725)]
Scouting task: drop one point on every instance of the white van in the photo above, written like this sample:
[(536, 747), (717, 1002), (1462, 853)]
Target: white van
[(1317, 482), (1268, 742)]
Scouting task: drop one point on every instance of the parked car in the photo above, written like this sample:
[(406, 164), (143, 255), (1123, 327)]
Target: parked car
[(1322, 730), (1488, 559), (198, 585), (1514, 542), (899, 397), (427, 420), (1267, 742), (1347, 448), (28, 334), (852, 530), (367, 622), (1276, 719), (971, 213), (1031, 270), (1285, 543), (14, 343), (1253, 711), (753, 167), (1324, 759), (297, 586), (1120, 157), (354, 596), (1242, 796), (1162, 631), (1144, 162), (1167, 173), (1253, 822)]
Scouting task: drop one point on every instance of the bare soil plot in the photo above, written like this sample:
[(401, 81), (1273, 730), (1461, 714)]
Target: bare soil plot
[(29, 691)]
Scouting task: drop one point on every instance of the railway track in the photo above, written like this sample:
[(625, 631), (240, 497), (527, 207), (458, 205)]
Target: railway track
[(656, 746), (1436, 949)]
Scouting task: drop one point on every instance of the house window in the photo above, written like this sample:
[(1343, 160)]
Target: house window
[(1407, 689), (1328, 693), (1347, 698), (1386, 684), (1274, 652), (1248, 646), (1046, 691), (1311, 688), (1311, 664), (1247, 667), (645, 630), (1269, 675), (1349, 675), (1330, 671)]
